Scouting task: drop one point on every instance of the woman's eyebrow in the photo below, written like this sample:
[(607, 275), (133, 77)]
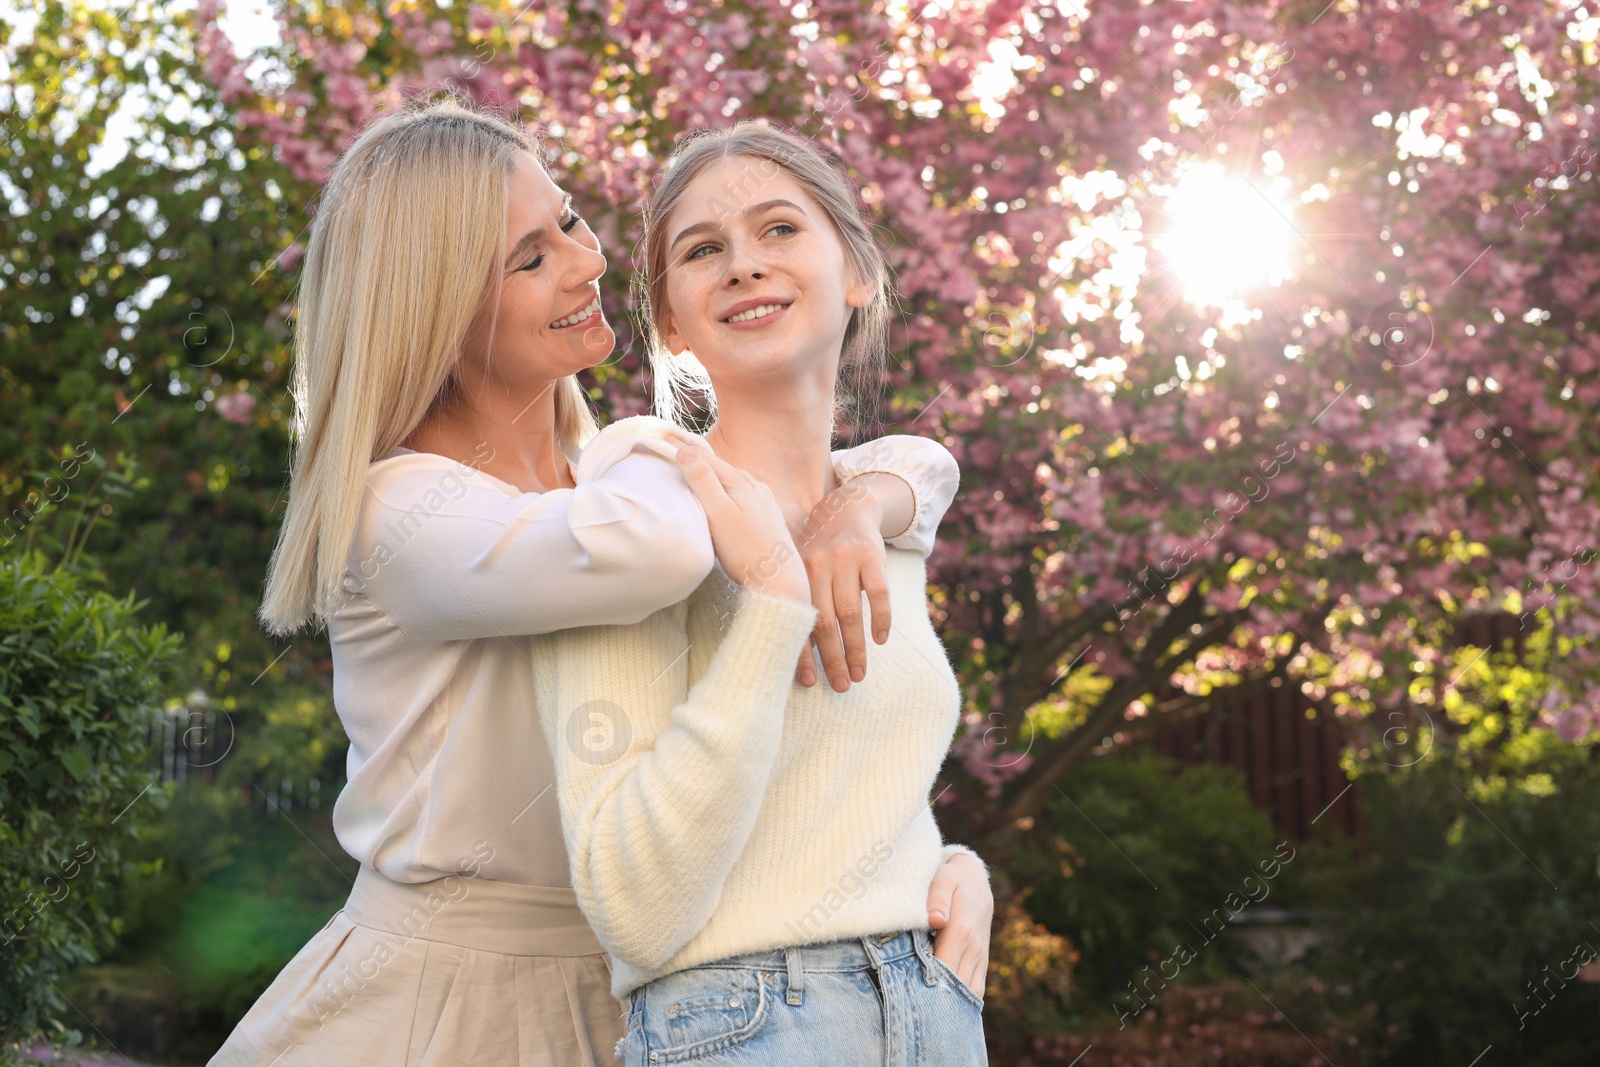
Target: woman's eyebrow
[(534, 236), (749, 212)]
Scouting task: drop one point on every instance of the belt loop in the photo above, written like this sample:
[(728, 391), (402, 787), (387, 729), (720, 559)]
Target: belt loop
[(797, 981), (924, 946)]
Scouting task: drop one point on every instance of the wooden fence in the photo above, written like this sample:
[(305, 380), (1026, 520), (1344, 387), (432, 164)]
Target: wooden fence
[(1288, 748)]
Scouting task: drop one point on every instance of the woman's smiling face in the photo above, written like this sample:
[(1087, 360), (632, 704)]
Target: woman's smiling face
[(757, 278), (548, 322)]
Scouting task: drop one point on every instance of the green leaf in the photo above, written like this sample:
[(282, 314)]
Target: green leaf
[(76, 761)]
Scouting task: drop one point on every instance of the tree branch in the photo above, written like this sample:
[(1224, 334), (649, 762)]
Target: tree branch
[(1032, 786)]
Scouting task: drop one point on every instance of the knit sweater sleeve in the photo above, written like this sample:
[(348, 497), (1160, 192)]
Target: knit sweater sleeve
[(923, 464), (659, 784), (952, 849)]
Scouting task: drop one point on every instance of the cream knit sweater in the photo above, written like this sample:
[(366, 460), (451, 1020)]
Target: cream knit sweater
[(712, 808)]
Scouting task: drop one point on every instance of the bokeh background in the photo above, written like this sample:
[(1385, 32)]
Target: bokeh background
[(1265, 334)]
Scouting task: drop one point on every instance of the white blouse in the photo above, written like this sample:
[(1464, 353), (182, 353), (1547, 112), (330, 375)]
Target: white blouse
[(450, 573)]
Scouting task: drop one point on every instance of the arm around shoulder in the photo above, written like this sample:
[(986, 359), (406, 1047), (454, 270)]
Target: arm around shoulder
[(451, 555)]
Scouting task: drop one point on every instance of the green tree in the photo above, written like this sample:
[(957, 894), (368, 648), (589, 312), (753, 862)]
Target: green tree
[(144, 339)]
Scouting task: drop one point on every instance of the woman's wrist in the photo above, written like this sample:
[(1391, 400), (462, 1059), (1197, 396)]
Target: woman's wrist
[(887, 499), (782, 575)]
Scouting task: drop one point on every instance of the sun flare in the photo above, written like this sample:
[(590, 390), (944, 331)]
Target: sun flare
[(1225, 237)]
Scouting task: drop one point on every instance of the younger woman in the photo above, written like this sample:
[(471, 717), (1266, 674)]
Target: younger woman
[(751, 853)]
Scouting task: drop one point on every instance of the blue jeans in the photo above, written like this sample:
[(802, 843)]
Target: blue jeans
[(878, 1001)]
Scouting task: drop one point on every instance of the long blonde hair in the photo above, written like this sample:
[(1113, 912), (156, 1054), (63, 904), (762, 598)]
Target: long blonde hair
[(678, 380), (404, 252)]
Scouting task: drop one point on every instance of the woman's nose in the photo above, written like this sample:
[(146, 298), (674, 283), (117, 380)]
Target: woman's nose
[(744, 264), (592, 264)]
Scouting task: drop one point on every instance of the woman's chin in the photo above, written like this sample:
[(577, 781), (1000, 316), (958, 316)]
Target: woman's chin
[(767, 367), (592, 345)]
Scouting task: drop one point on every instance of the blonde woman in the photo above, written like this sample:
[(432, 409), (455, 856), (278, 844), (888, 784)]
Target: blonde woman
[(434, 523), (753, 854)]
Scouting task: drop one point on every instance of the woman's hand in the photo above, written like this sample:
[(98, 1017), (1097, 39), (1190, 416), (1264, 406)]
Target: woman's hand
[(961, 909), (748, 531), (842, 549)]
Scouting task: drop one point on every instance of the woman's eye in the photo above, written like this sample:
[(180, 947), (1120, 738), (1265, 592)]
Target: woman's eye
[(786, 226), (572, 220), (532, 264), (694, 253)]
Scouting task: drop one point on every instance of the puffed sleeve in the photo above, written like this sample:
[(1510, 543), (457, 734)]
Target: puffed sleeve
[(926, 466)]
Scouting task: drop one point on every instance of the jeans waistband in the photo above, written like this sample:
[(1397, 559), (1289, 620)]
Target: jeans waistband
[(847, 954)]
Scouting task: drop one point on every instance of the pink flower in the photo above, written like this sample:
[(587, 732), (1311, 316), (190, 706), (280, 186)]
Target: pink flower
[(236, 407), (1574, 724)]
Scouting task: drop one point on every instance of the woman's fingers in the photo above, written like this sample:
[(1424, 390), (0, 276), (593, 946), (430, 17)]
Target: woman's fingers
[(844, 556), (875, 581), (959, 947), (681, 437), (805, 671), (748, 531), (961, 909), (704, 481), (847, 606), (972, 967), (826, 632), (734, 479), (941, 891)]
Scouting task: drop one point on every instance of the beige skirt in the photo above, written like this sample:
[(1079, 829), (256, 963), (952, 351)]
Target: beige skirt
[(454, 971)]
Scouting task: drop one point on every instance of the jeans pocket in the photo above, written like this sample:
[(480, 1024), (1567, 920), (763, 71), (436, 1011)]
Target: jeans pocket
[(953, 979), (701, 1011)]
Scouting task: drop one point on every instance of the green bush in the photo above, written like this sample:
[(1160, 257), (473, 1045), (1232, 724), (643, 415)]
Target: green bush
[(1133, 858), (1477, 895), (78, 677), (1471, 895)]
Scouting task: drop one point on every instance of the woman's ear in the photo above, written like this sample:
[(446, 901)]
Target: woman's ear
[(671, 335), (861, 293)]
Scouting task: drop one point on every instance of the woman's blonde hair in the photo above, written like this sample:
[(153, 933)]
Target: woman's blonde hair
[(680, 381), (406, 249)]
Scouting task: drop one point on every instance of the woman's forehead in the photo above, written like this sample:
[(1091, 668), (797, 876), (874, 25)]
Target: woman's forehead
[(734, 183), (533, 193), (528, 174)]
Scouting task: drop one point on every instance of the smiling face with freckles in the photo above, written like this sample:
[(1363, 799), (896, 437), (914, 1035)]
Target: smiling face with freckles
[(546, 321), (757, 283)]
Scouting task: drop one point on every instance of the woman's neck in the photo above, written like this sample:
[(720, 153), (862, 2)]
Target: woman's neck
[(781, 436), (512, 438)]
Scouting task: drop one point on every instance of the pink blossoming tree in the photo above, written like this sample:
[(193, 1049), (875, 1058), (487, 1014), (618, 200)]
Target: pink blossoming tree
[(1265, 333)]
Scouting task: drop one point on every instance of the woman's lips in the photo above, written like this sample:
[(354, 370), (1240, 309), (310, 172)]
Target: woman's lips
[(756, 317), (588, 314)]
